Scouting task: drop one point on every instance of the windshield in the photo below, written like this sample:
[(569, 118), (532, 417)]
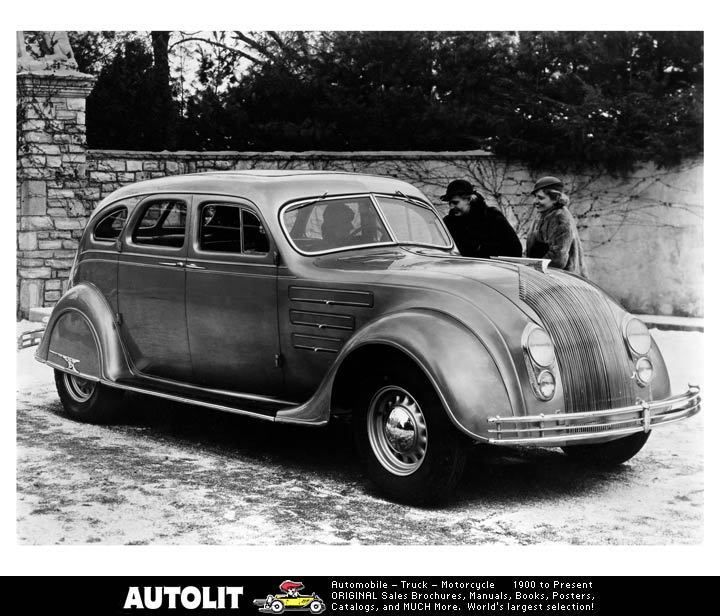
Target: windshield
[(340, 223)]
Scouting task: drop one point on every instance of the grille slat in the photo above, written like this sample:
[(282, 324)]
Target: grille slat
[(588, 343)]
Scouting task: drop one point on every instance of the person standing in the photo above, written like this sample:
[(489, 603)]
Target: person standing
[(553, 234), (478, 230)]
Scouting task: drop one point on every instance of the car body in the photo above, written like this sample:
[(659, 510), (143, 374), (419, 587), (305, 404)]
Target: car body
[(293, 296)]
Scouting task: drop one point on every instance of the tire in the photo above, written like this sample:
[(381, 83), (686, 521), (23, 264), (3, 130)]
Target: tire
[(608, 454), (316, 607), (277, 607), (85, 400), (412, 452)]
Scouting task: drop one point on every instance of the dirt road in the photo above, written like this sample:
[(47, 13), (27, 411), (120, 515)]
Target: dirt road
[(174, 474)]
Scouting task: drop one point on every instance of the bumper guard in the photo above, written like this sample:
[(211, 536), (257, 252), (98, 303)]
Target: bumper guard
[(560, 428)]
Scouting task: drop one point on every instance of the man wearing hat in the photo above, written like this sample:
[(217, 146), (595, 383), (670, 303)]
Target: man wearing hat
[(478, 230), (553, 234)]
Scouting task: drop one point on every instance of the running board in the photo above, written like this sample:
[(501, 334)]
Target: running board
[(193, 401)]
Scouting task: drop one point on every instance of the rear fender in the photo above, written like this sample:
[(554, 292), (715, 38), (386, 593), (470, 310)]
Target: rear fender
[(82, 337), (456, 362)]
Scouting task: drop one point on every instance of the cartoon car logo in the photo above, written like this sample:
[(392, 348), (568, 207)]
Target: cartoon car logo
[(290, 599)]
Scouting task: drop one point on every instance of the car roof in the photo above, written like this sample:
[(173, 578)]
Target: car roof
[(267, 188)]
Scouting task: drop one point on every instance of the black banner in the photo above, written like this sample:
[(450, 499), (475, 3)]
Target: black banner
[(297, 594)]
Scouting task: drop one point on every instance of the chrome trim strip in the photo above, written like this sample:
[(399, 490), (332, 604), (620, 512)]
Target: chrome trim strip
[(176, 398), (647, 415)]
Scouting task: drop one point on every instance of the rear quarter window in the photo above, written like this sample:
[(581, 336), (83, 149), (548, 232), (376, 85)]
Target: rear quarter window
[(109, 227)]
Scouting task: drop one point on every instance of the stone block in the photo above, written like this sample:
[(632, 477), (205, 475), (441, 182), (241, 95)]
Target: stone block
[(151, 165), (49, 149), (56, 212), (62, 235), (33, 223), (111, 165), (27, 240), (64, 254), (102, 176), (126, 178), (49, 244), (54, 162), (59, 263), (60, 193), (76, 103), (37, 137), (31, 292), (66, 114), (70, 244), (80, 118), (33, 198), (54, 284), (33, 273), (70, 223), (31, 259), (172, 166), (52, 296), (134, 165)]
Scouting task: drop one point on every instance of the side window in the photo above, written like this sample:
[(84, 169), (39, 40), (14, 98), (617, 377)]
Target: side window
[(162, 224), (255, 238), (231, 229), (220, 228), (109, 227)]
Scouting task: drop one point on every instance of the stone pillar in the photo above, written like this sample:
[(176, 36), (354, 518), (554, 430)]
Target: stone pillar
[(53, 198)]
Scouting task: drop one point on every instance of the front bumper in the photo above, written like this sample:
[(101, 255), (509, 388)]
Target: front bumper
[(560, 428)]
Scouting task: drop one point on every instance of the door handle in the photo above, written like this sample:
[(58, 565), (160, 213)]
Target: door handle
[(171, 263), (193, 266)]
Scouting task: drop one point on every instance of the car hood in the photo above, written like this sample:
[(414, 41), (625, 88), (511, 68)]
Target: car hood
[(429, 268)]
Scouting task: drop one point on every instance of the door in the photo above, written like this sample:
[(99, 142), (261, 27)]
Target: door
[(231, 297), (151, 287)]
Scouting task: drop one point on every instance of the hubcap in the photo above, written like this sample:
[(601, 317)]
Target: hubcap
[(79, 389), (397, 430)]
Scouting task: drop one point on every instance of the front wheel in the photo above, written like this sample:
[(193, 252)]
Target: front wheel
[(413, 453), (608, 454), (86, 400)]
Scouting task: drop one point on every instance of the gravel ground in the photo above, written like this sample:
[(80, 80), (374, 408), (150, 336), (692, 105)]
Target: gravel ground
[(175, 474)]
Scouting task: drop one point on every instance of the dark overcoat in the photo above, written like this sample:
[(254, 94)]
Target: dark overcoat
[(483, 232)]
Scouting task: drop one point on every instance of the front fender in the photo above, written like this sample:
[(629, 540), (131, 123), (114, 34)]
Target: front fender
[(82, 337), (455, 360)]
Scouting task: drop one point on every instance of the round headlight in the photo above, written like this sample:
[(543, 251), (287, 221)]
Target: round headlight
[(638, 336), (540, 347), (546, 384), (644, 370)]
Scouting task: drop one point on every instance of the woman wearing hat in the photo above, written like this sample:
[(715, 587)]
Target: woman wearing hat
[(554, 234), (478, 230)]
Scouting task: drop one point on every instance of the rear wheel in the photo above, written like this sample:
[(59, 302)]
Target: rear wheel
[(86, 400), (412, 451), (608, 454)]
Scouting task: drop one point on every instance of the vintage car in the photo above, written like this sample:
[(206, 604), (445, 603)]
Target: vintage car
[(294, 296), (291, 600)]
